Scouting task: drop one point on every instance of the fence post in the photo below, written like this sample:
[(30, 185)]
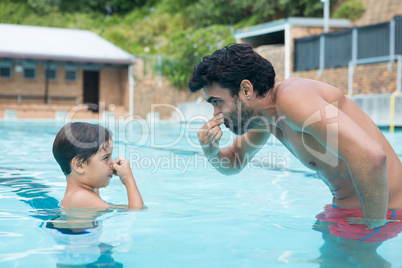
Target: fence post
[(391, 43), (322, 55), (354, 45), (399, 74), (131, 84), (396, 93), (159, 70), (287, 50), (350, 78)]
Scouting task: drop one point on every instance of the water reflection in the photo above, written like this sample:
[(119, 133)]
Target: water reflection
[(76, 231)]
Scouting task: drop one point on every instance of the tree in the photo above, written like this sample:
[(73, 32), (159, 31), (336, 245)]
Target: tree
[(351, 10)]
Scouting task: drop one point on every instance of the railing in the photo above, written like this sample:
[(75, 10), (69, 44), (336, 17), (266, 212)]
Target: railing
[(352, 65), (337, 49), (19, 97), (397, 92)]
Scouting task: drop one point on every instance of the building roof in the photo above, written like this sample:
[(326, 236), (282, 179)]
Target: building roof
[(45, 43), (279, 25)]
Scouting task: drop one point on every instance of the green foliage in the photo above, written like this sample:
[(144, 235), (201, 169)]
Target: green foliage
[(14, 12), (44, 6), (183, 31), (351, 10), (100, 6), (186, 49), (245, 12), (174, 6)]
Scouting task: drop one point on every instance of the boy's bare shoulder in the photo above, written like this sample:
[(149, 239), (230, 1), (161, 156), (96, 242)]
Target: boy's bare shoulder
[(82, 198)]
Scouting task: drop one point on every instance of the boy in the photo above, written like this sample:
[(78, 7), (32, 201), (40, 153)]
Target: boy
[(84, 152)]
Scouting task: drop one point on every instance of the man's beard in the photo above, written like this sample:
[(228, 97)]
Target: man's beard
[(242, 118)]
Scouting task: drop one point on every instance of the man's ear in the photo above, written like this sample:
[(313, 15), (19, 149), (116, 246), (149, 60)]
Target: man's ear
[(78, 165), (247, 89)]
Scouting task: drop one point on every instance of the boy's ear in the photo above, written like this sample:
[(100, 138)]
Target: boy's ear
[(247, 89), (78, 165)]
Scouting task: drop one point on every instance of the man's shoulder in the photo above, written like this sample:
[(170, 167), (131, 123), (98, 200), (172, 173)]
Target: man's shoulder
[(299, 84), (298, 98), (296, 90)]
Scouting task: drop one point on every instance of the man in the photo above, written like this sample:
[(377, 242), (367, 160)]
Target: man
[(324, 129)]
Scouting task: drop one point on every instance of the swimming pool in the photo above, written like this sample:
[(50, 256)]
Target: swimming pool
[(196, 217)]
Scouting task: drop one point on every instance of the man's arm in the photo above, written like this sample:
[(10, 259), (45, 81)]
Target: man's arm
[(234, 158), (337, 132)]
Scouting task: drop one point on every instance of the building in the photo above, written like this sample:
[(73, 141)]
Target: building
[(279, 36), (53, 68), (364, 61)]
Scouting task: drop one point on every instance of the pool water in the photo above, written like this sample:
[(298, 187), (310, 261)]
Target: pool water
[(195, 217)]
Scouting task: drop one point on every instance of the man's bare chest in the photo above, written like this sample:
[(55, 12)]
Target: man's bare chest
[(307, 149)]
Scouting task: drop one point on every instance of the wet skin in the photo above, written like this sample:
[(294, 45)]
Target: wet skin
[(325, 130)]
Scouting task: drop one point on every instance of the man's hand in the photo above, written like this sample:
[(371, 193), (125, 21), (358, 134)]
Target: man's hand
[(209, 136), (371, 224), (122, 169)]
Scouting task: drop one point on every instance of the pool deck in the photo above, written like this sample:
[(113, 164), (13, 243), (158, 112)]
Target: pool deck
[(51, 111)]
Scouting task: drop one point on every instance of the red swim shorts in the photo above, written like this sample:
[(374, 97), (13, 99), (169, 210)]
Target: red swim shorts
[(358, 232)]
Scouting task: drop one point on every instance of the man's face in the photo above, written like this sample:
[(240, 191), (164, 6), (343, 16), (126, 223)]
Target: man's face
[(239, 118)]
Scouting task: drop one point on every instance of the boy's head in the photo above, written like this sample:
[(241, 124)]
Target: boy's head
[(81, 140)]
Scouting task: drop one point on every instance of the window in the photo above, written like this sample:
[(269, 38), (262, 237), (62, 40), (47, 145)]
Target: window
[(71, 73), (30, 71), (5, 69), (51, 72)]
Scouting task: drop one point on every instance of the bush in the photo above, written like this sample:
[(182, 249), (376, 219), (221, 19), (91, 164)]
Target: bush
[(351, 10), (186, 49)]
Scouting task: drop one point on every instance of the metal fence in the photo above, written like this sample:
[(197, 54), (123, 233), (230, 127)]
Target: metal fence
[(338, 49)]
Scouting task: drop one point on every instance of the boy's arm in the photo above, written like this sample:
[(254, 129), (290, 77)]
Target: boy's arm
[(134, 197), (123, 170)]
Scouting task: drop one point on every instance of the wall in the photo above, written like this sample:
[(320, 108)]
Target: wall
[(113, 86), (378, 11), (18, 85), (378, 107), (164, 98), (150, 90), (276, 55), (368, 79)]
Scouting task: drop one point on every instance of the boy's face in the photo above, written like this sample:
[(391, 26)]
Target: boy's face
[(99, 166)]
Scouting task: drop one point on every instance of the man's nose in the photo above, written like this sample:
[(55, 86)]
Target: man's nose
[(217, 111)]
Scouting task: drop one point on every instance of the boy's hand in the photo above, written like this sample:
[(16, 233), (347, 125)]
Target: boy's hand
[(122, 169), (210, 134)]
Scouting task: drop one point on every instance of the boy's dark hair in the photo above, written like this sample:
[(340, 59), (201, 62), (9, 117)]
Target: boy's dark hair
[(78, 139), (229, 66)]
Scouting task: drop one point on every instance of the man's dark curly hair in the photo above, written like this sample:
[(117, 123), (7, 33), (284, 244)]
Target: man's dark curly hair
[(229, 66)]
